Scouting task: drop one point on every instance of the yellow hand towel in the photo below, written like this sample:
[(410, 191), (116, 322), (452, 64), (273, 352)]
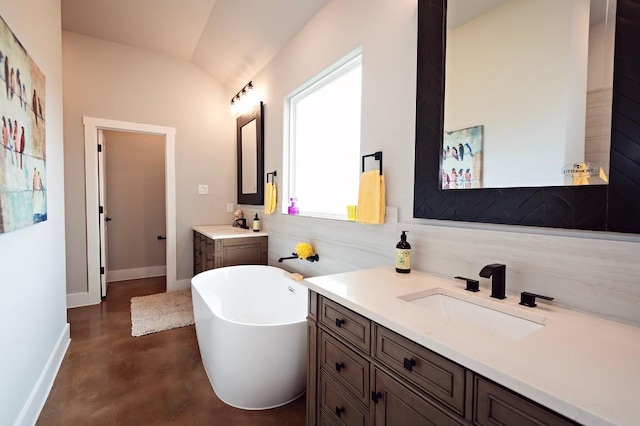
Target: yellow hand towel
[(371, 198), (270, 198)]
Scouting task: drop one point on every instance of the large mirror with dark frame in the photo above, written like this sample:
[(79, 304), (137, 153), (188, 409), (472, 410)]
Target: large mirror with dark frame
[(250, 156), (612, 207)]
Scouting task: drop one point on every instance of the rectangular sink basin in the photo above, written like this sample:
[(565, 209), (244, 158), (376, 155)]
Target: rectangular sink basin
[(503, 320)]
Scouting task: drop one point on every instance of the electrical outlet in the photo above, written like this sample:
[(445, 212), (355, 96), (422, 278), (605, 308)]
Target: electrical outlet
[(203, 189), (230, 208)]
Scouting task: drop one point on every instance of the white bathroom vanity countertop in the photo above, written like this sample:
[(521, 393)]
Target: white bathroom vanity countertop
[(217, 232), (581, 366)]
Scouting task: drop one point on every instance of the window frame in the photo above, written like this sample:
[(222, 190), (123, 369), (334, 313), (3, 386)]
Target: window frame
[(325, 77)]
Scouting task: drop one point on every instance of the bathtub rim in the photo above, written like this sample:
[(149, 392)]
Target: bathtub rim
[(286, 274)]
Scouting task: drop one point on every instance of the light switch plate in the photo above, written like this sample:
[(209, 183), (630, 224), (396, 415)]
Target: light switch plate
[(230, 208), (203, 189)]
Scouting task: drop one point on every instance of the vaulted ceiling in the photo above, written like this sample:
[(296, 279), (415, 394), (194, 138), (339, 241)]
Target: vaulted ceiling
[(229, 39)]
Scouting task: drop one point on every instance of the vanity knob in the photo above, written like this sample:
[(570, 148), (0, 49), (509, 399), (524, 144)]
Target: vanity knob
[(339, 411), (529, 299), (472, 285), (375, 396), (339, 366), (409, 363), (339, 322)]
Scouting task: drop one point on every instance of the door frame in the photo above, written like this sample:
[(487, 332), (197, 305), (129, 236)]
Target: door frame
[(91, 127)]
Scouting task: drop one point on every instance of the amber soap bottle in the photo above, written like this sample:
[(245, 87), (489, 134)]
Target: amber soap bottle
[(403, 255)]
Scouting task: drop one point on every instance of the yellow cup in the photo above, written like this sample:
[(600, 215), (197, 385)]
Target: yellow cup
[(351, 212)]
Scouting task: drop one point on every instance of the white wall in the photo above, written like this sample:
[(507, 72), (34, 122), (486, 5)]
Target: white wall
[(33, 328), (112, 81), (588, 271), (520, 71)]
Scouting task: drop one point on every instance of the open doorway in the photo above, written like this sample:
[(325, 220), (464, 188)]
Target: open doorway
[(132, 194), (92, 126)]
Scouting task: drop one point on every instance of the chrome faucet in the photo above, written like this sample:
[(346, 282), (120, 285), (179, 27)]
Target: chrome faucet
[(497, 273)]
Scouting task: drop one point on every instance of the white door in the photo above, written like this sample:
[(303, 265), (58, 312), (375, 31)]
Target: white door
[(103, 219)]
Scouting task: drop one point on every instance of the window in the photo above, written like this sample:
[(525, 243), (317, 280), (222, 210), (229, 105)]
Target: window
[(322, 125)]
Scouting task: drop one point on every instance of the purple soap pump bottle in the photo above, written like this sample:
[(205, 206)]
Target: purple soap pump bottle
[(293, 209)]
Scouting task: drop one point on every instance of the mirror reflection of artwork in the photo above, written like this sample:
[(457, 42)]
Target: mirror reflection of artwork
[(461, 164), (544, 92), (23, 183)]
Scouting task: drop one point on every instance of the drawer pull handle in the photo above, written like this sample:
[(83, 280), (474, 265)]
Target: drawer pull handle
[(409, 363), (339, 322), (339, 411), (375, 396), (339, 366)]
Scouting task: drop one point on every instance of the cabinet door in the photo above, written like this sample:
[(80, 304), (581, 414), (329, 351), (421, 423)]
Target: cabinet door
[(396, 405), (497, 405), (243, 251), (197, 253)]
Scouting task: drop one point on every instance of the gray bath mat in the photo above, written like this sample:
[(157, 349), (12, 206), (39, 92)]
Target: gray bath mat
[(159, 312)]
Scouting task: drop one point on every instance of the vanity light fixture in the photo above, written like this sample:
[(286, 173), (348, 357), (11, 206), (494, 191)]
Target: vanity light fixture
[(243, 101)]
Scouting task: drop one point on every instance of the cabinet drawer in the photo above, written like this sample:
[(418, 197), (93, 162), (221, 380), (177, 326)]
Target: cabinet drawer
[(349, 325), (325, 420), (397, 405), (494, 404), (348, 368), (440, 378), (337, 405), (242, 251)]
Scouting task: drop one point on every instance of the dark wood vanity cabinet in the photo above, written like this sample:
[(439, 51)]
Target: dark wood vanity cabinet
[(210, 254), (361, 373)]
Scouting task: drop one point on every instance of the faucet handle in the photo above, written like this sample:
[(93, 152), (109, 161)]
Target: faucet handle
[(529, 299), (472, 285)]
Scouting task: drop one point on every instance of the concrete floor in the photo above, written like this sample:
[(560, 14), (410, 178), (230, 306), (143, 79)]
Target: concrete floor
[(110, 378)]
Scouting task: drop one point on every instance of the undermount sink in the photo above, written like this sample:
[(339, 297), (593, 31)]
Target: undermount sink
[(503, 320)]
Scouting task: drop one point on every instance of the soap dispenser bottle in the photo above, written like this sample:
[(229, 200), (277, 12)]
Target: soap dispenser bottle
[(403, 255), (256, 223)]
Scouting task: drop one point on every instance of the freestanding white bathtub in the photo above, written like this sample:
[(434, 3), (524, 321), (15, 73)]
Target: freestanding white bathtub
[(251, 329)]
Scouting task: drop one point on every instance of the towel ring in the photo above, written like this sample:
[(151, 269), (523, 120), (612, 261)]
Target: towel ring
[(376, 156)]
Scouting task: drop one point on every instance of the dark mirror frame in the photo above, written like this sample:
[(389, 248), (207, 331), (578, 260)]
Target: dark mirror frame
[(255, 114), (614, 207)]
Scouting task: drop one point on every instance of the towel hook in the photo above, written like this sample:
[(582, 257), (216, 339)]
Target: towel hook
[(273, 176), (376, 156)]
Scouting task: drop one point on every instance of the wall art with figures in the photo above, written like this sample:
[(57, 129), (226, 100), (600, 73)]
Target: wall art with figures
[(23, 178)]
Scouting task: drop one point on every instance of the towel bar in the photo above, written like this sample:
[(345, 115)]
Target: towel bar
[(273, 176), (376, 156)]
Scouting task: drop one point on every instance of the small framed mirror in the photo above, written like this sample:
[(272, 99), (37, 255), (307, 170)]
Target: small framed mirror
[(250, 156)]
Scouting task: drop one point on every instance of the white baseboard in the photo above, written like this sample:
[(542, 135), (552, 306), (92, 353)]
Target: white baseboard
[(136, 273), (76, 300), (32, 408), (180, 285)]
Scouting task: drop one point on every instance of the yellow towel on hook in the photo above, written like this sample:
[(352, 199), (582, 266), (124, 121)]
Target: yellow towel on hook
[(270, 198), (371, 203)]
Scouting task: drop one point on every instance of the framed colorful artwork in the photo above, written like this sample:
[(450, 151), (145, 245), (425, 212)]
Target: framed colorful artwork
[(23, 181)]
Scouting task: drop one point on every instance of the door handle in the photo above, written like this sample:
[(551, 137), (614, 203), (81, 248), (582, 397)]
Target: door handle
[(160, 237), (107, 219)]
